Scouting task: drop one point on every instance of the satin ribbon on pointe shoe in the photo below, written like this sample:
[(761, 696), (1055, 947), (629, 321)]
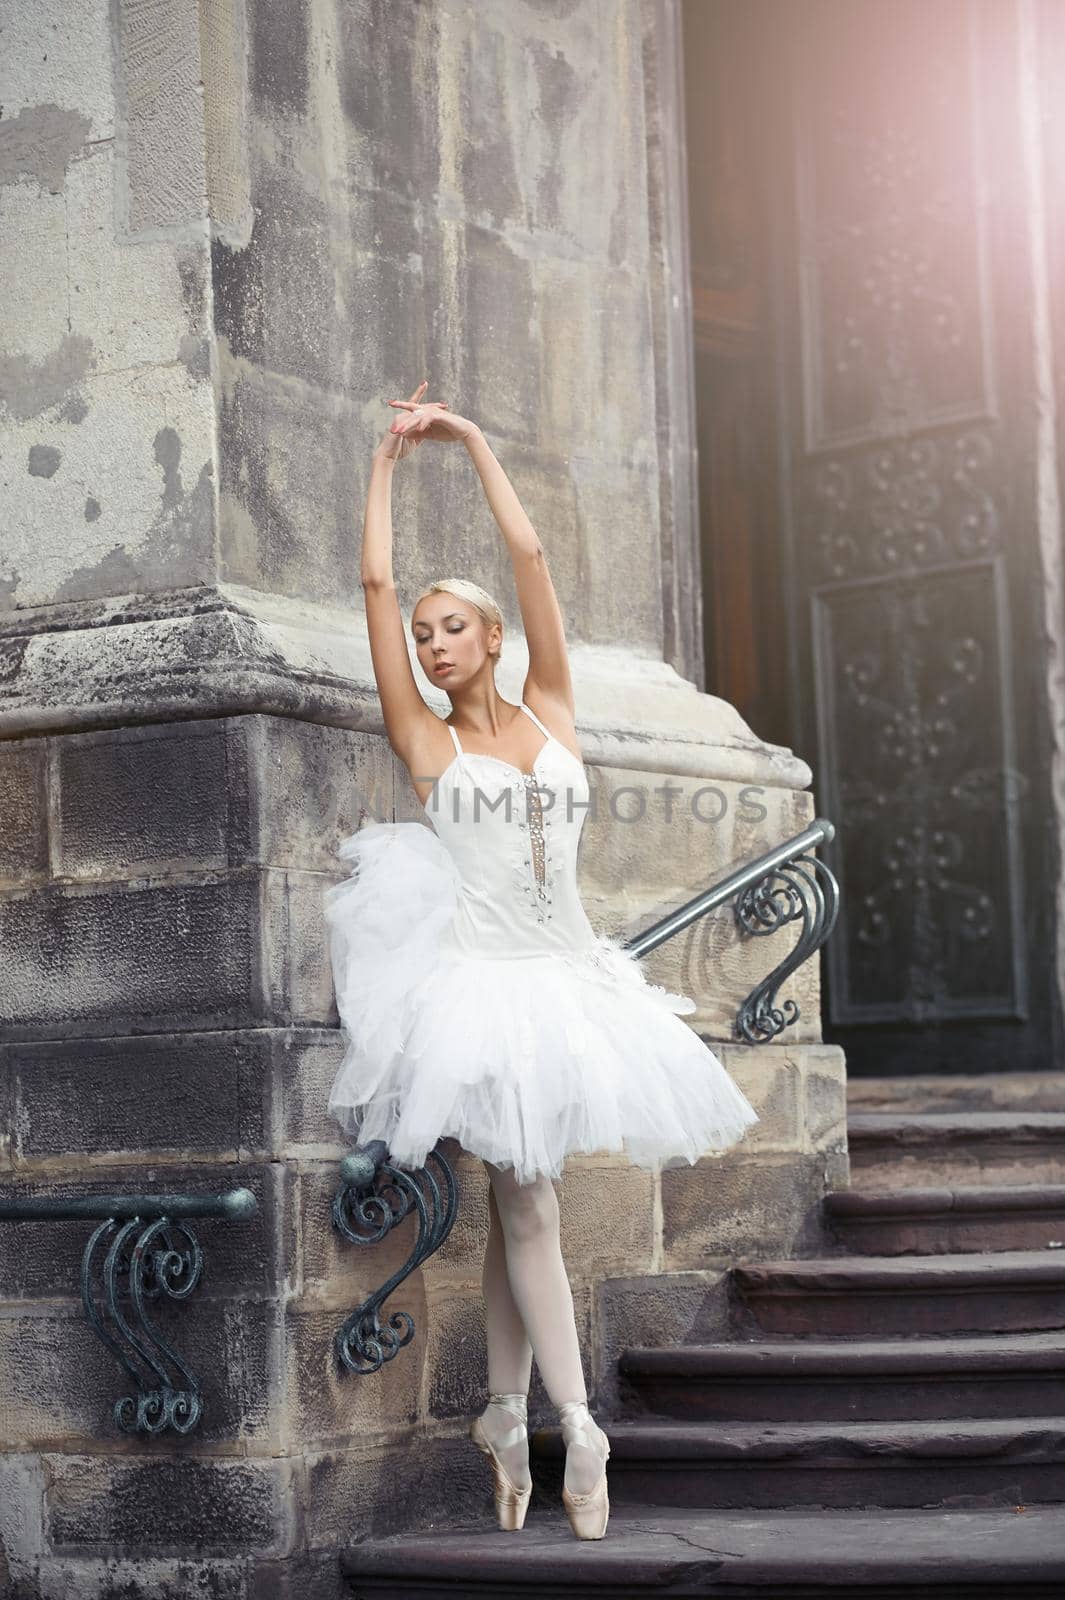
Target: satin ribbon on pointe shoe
[(587, 1513), (511, 1502)]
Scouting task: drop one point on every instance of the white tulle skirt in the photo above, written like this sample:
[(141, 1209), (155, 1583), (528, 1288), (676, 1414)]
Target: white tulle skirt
[(522, 1060)]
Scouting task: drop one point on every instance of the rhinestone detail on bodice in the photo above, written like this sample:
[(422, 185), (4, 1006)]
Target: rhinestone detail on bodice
[(521, 815)]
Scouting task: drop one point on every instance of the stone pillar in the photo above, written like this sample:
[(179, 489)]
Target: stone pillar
[(235, 230)]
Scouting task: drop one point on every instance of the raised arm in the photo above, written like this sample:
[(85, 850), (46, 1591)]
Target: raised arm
[(541, 615), (405, 712)]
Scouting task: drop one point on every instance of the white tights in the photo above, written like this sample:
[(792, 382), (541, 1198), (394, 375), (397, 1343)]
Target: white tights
[(529, 1311)]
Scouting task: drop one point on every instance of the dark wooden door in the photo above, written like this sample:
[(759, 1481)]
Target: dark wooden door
[(875, 551)]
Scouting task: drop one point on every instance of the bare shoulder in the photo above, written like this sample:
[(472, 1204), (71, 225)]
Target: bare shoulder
[(556, 714)]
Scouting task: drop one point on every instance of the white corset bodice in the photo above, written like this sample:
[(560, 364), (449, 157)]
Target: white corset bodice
[(514, 838)]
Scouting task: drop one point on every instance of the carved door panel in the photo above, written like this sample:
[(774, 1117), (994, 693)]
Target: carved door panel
[(909, 525)]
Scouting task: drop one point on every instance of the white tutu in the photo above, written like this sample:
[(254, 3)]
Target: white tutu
[(522, 1059)]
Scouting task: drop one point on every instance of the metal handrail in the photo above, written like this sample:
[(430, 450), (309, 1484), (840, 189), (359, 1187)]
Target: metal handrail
[(145, 1256), (236, 1204), (820, 831)]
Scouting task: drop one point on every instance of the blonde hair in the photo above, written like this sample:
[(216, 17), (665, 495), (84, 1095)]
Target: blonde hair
[(463, 589)]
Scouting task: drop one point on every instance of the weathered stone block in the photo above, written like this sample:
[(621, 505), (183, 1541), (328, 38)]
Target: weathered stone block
[(132, 800), (571, 297), (139, 1578), (736, 1205), (178, 796), (297, 978), (279, 66), (405, 1483), (263, 291), (85, 959), (21, 1519), (210, 952), (772, 1079), (295, 543), (312, 786), (60, 1383), (306, 1062), (664, 1309), (164, 1503), (303, 1576), (614, 501), (326, 1402), (462, 1253), (23, 810), (503, 389), (825, 1098), (607, 1209), (391, 118), (193, 1092), (456, 1354), (7, 1111)]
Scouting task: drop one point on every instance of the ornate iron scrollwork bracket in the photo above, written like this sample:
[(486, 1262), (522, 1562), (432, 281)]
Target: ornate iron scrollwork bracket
[(375, 1197), (142, 1251), (781, 885), (804, 887)]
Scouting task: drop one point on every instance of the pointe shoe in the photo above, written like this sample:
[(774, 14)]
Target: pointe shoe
[(587, 1513), (511, 1502)]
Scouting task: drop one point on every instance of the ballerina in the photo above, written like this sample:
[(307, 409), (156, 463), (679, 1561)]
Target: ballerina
[(476, 1000)]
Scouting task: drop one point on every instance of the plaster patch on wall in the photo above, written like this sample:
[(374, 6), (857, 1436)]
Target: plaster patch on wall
[(112, 456), (193, 264), (74, 409), (21, 1513), (195, 352), (39, 144), (43, 461), (167, 446), (29, 387), (92, 508), (177, 547)]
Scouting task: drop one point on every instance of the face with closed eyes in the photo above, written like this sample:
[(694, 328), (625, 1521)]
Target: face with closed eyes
[(447, 629)]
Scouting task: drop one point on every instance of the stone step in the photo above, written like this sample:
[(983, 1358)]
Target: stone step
[(894, 1150), (804, 1380), (989, 1461), (937, 1220), (1002, 1292), (1005, 1553), (959, 1091)]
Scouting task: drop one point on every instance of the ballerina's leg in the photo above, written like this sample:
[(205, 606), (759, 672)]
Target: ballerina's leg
[(540, 1285), (509, 1351)]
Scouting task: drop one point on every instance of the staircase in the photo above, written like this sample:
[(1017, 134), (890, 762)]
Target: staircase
[(887, 1420)]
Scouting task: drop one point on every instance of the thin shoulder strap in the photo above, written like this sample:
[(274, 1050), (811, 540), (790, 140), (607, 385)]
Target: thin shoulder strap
[(454, 737), (536, 719)]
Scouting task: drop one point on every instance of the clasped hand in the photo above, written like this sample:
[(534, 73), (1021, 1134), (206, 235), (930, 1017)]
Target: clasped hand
[(429, 419)]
